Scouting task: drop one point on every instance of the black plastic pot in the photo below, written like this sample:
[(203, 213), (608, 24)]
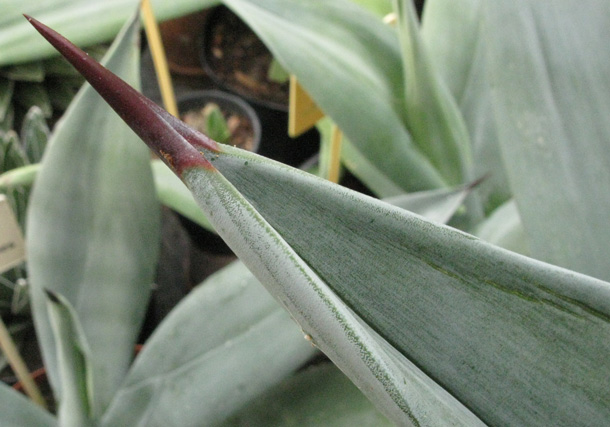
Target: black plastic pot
[(273, 113), (228, 103)]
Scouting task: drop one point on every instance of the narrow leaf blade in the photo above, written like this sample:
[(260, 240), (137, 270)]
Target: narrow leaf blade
[(93, 229)]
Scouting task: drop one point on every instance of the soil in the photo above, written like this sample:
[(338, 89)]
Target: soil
[(240, 127), (241, 60)]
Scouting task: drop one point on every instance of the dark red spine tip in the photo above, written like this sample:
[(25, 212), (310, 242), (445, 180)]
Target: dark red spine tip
[(171, 139)]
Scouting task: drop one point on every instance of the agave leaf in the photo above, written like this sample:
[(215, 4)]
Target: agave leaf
[(7, 88), (93, 229), (403, 393), (431, 114), (318, 396), (74, 363), (224, 344), (34, 134), (435, 205), (452, 33), (18, 410), (86, 22), (394, 300), (551, 100), (336, 50), (503, 228)]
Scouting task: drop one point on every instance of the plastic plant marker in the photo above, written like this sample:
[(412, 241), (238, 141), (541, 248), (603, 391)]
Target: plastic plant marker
[(303, 113), (12, 246), (159, 59), (334, 160)]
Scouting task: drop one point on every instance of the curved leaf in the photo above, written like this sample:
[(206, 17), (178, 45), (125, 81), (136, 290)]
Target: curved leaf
[(547, 67), (431, 114), (402, 305), (18, 410), (74, 363), (93, 229), (452, 31), (86, 22), (225, 343), (336, 50)]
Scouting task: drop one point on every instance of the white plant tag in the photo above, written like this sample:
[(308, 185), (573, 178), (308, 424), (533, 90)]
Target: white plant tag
[(12, 246)]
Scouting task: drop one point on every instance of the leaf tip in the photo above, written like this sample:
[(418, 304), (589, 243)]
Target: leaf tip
[(52, 296)]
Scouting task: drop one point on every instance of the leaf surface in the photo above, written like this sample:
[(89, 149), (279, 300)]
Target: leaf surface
[(419, 315), (18, 410), (224, 344), (548, 68), (93, 229), (74, 363), (337, 50)]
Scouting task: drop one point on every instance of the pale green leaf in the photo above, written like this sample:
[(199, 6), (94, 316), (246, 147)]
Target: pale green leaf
[(224, 344), (514, 339), (84, 22), (74, 363), (503, 228), (548, 66), (431, 114), (93, 229), (18, 410), (318, 396), (350, 63), (452, 31)]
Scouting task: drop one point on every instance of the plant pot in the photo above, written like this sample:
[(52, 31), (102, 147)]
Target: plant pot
[(248, 129), (203, 239), (237, 61), (181, 41)]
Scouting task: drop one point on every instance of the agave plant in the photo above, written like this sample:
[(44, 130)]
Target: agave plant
[(433, 325)]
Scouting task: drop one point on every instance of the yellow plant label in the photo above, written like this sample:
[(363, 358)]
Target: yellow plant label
[(303, 113), (12, 246)]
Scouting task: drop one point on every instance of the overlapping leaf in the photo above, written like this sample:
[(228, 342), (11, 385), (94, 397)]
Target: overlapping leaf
[(549, 73), (93, 230), (412, 311), (224, 344), (86, 22)]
